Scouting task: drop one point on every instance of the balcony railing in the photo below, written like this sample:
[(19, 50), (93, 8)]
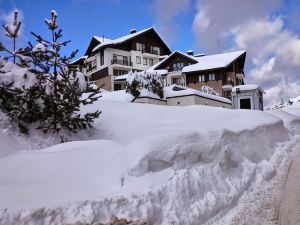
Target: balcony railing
[(91, 68), (121, 62), (154, 52)]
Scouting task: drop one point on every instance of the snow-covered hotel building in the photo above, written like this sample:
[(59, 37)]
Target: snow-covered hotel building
[(106, 59), (106, 62)]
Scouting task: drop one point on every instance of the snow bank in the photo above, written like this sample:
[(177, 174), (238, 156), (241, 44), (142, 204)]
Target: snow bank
[(166, 165), (116, 96), (18, 77)]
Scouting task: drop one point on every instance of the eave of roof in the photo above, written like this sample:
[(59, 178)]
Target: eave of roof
[(82, 58), (168, 57)]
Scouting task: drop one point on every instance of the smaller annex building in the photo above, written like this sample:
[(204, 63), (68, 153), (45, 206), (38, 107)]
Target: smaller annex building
[(177, 95), (247, 97)]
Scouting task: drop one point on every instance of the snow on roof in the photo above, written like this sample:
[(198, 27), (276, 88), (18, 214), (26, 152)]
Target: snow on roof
[(213, 61), (156, 72), (101, 39), (247, 87), (124, 38), (81, 58), (166, 58), (122, 77), (170, 92)]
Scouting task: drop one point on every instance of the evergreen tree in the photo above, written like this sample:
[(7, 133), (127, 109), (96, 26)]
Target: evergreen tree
[(40, 86), (13, 94), (61, 87)]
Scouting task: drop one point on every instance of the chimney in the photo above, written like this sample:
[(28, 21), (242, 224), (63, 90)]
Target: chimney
[(132, 31), (190, 52)]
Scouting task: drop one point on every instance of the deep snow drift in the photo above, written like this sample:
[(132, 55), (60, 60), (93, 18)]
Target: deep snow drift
[(164, 165)]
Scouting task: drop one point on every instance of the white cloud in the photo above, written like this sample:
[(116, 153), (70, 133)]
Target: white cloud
[(281, 90), (214, 19), (273, 51), (165, 13)]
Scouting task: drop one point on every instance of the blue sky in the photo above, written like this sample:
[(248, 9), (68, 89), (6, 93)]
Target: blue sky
[(81, 19), (268, 29)]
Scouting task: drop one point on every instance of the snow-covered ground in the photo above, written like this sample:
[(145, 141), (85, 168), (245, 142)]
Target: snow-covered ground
[(164, 165)]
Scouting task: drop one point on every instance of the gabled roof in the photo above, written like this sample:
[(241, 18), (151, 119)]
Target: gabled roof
[(214, 61), (154, 67), (101, 39), (94, 42), (79, 60), (121, 40)]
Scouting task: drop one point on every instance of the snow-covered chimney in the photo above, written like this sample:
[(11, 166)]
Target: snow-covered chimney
[(190, 52), (132, 31)]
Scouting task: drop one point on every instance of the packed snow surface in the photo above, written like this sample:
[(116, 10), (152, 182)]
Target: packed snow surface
[(165, 165)]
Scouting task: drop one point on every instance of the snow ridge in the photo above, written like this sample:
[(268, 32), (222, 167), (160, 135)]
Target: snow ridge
[(207, 175)]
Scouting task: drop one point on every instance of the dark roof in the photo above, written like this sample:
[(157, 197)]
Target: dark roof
[(108, 43)]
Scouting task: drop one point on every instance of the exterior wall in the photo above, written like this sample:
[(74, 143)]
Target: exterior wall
[(141, 66), (105, 83), (196, 100), (175, 74), (148, 39), (192, 80), (253, 95), (216, 85), (147, 100)]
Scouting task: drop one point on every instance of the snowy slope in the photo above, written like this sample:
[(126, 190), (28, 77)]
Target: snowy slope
[(165, 165)]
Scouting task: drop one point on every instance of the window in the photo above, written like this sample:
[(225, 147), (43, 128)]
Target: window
[(145, 61), (202, 78), (140, 47), (150, 62), (245, 103), (119, 72), (120, 59), (178, 66), (176, 80), (138, 60), (155, 50), (211, 76)]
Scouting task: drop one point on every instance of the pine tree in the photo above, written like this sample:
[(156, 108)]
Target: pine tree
[(7, 92), (61, 87), (40, 86)]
